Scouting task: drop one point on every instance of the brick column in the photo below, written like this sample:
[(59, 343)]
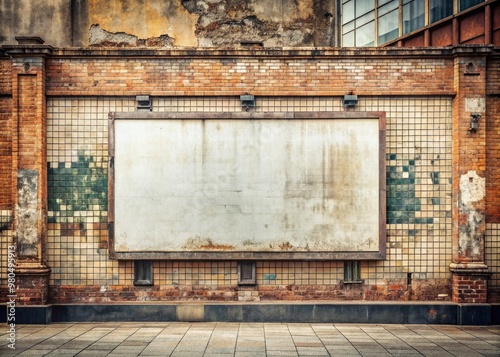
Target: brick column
[(469, 270), (29, 157)]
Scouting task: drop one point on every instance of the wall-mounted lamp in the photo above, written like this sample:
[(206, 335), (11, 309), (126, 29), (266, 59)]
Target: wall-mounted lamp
[(350, 100), (474, 122), (143, 103), (247, 101)]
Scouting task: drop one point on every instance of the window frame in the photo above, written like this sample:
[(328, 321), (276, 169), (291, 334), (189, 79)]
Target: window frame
[(351, 27)]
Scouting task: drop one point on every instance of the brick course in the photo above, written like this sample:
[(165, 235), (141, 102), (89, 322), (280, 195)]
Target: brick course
[(259, 73), (394, 290)]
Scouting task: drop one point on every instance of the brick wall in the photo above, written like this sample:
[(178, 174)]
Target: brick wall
[(266, 73), (414, 87), (5, 76), (468, 159), (469, 289), (28, 184)]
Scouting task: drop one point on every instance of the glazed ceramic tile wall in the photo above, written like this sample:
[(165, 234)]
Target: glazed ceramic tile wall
[(492, 253), (418, 194), (77, 154), (5, 242)]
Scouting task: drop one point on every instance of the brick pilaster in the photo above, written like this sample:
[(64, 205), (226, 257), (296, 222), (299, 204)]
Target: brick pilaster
[(470, 272), (29, 161), (469, 288)]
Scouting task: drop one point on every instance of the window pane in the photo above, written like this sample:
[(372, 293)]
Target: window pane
[(439, 9), (388, 27), (382, 2), (465, 4), (348, 27), (348, 39), (386, 8), (365, 35), (413, 16), (363, 6), (365, 19), (348, 12)]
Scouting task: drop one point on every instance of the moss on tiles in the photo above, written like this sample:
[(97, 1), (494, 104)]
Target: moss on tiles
[(78, 188), (402, 202)]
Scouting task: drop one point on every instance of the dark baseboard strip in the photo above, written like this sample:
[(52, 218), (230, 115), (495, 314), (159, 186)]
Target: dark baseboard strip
[(382, 313)]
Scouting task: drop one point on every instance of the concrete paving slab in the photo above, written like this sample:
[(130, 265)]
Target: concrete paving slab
[(193, 339)]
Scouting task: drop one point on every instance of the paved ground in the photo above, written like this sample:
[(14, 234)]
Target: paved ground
[(250, 339)]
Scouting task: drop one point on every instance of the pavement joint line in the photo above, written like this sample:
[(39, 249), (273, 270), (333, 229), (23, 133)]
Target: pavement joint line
[(285, 339), (399, 340)]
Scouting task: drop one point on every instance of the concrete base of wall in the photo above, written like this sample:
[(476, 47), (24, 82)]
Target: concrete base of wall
[(352, 312)]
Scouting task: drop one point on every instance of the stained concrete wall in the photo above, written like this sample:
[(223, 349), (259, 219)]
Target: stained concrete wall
[(50, 20), (171, 23)]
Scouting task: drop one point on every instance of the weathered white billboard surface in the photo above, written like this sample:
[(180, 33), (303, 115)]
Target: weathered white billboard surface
[(247, 186)]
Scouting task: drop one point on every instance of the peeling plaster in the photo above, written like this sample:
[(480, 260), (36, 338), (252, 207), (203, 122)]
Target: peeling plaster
[(145, 19), (471, 228), (273, 23), (472, 188), (27, 215), (192, 23), (101, 37), (475, 105), (470, 236)]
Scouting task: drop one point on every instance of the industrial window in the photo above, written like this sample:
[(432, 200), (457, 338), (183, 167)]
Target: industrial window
[(375, 22), (143, 272), (465, 4), (246, 273), (388, 21), (439, 9), (358, 23), (413, 15)]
